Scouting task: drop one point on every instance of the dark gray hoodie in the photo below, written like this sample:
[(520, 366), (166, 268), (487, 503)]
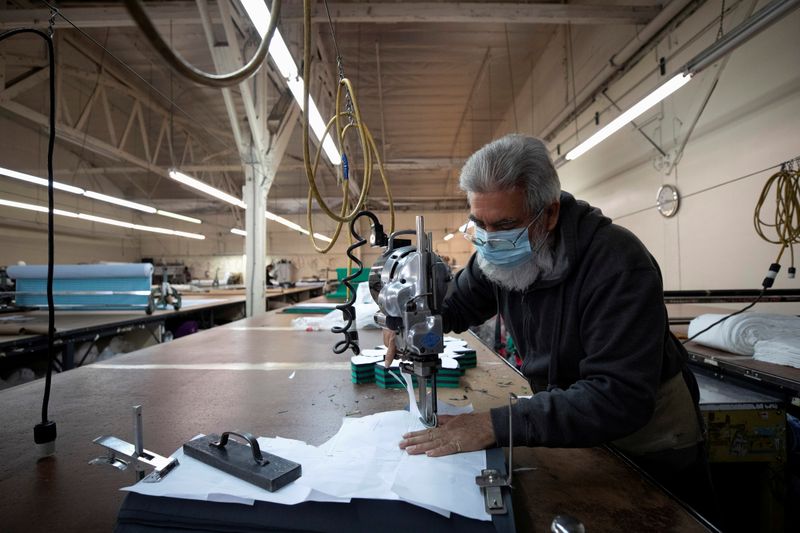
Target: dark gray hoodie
[(594, 339)]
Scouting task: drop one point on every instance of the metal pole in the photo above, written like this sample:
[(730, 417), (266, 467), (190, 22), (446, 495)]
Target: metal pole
[(742, 33)]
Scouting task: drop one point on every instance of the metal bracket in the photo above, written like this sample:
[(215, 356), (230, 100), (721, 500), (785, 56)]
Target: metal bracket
[(122, 455), (492, 481)]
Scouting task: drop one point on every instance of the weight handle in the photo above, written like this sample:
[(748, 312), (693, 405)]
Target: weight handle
[(251, 440)]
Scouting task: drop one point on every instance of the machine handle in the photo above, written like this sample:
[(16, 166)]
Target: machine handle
[(251, 440)]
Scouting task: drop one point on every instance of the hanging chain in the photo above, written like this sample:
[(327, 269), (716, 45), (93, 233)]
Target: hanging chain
[(340, 67)]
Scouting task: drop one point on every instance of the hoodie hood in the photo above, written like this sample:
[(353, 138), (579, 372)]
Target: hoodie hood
[(577, 223)]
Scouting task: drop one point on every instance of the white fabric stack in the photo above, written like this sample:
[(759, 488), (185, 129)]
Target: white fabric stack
[(767, 337), (739, 334), (781, 350)]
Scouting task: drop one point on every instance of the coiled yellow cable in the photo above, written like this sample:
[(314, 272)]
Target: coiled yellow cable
[(786, 218), (369, 149)]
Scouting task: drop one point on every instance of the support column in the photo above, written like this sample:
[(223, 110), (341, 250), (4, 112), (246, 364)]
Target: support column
[(255, 242)]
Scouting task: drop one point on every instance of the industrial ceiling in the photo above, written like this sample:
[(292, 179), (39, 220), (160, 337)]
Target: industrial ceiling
[(433, 80)]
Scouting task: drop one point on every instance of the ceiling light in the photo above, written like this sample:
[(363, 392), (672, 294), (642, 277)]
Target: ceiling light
[(39, 181), (119, 201), (285, 222), (104, 220), (196, 236), (237, 231), (448, 236), (675, 83), (323, 237), (208, 189), (179, 217), (37, 208), (463, 227), (282, 57), (95, 195), (101, 220)]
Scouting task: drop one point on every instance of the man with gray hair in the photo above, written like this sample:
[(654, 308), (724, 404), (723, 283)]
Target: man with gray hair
[(583, 300)]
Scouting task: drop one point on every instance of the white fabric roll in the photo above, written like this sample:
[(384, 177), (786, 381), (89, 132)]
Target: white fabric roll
[(739, 334)]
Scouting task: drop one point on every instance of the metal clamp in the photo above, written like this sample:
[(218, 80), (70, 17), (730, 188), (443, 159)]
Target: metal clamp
[(251, 440), (491, 481), (121, 454)]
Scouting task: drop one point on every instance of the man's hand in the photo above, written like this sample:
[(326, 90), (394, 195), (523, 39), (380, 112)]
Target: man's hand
[(388, 340), (455, 434)]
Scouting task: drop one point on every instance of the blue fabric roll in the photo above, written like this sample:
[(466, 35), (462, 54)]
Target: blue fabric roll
[(108, 270)]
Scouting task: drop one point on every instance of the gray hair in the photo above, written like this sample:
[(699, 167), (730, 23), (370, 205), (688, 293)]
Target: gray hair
[(513, 161)]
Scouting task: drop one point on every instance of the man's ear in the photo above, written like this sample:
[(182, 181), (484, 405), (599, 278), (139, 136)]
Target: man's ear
[(552, 215)]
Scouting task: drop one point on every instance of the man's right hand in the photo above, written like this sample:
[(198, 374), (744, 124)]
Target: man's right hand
[(388, 340)]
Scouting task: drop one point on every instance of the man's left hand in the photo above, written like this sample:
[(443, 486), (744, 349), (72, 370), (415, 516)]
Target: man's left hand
[(455, 434)]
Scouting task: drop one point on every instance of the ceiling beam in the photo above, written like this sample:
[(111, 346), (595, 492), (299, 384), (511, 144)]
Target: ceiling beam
[(418, 164), (110, 16), (481, 12), (186, 13)]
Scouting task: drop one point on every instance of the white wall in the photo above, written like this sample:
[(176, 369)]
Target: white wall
[(752, 122)]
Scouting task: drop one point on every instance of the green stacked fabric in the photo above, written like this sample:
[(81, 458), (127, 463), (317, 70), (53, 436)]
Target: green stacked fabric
[(459, 350), (449, 375), (368, 367), (390, 378), (362, 369), (466, 357)]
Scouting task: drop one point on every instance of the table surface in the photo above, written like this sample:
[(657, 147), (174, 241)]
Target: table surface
[(184, 391), (69, 321)]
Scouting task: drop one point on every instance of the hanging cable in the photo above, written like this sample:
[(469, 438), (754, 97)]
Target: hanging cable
[(785, 220), (785, 223), (377, 238), (726, 317), (44, 433), (346, 119), (139, 15)]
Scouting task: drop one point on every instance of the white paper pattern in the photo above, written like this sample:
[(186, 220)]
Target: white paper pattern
[(362, 460)]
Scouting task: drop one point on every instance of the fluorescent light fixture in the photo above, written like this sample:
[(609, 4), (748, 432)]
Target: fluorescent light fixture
[(101, 220), (237, 231), (178, 217), (675, 83), (292, 225), (37, 208), (279, 52), (95, 195), (104, 220), (463, 227), (203, 187), (285, 222), (448, 236), (119, 201), (39, 181), (196, 236)]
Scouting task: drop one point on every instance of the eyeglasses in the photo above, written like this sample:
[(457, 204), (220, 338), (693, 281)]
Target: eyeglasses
[(496, 244)]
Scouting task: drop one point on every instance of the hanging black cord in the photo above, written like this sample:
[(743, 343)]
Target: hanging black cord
[(348, 310), (46, 431), (726, 317)]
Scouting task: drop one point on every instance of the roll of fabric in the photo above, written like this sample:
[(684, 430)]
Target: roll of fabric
[(93, 271), (739, 334)]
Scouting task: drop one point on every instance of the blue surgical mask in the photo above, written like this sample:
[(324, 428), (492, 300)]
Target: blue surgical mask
[(506, 257), (506, 248)]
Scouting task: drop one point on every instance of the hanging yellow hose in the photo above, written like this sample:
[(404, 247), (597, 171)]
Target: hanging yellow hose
[(786, 218), (367, 142)]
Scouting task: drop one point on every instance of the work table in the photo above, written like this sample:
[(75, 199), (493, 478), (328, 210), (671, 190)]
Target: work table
[(259, 375)]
